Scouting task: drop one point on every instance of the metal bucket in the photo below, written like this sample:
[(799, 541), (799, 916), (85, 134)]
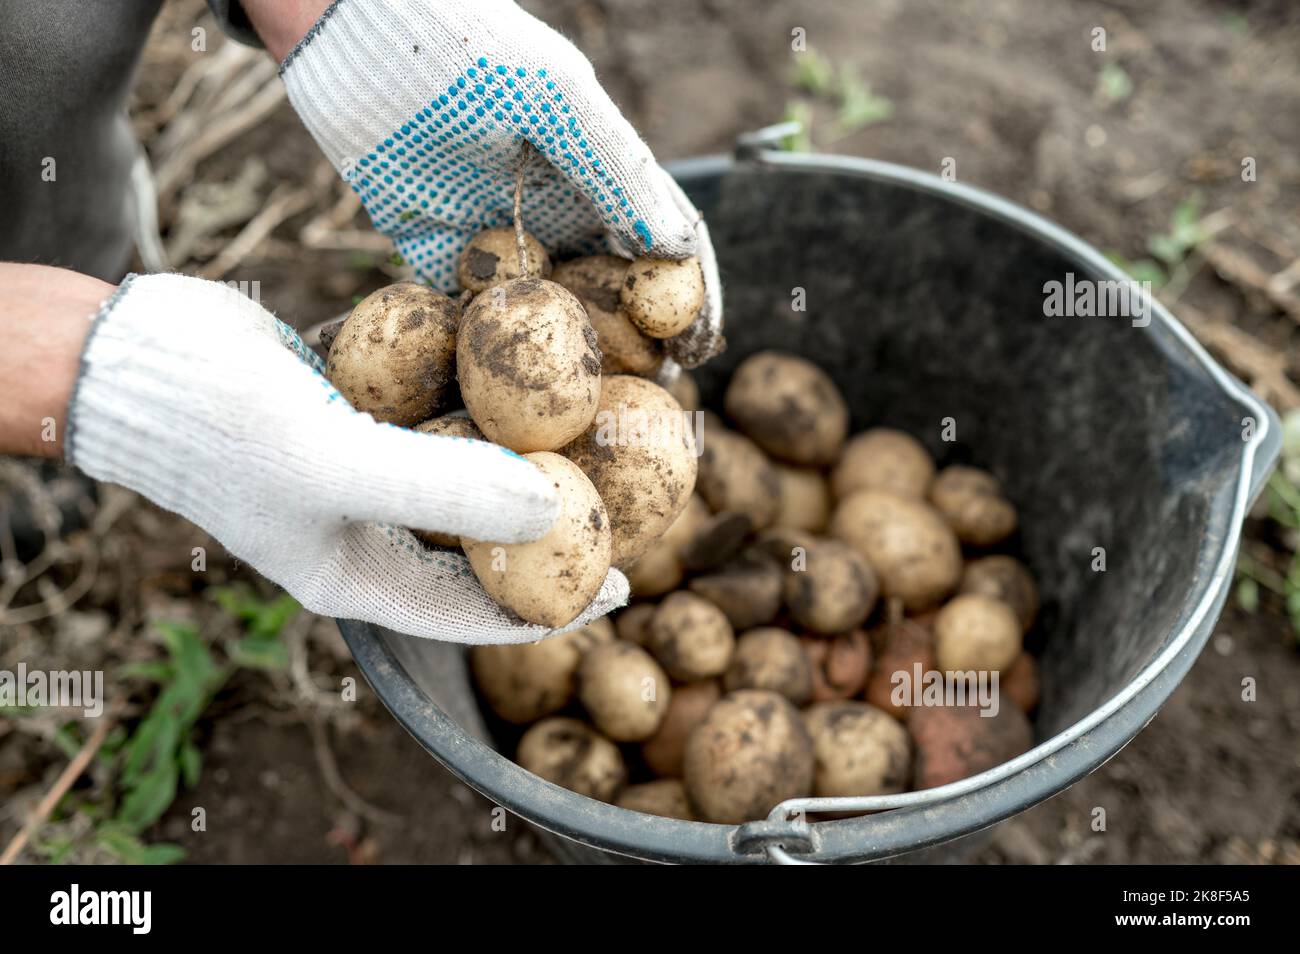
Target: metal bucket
[(1114, 437)]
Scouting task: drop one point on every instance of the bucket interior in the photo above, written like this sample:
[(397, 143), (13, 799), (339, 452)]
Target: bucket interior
[(927, 309)]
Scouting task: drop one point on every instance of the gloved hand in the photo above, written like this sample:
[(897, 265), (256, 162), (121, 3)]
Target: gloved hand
[(198, 398), (423, 105)]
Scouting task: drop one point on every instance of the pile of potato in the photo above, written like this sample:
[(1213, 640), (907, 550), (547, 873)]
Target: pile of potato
[(770, 615), (535, 353)]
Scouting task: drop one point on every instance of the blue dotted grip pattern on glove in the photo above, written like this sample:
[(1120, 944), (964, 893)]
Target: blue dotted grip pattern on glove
[(441, 177)]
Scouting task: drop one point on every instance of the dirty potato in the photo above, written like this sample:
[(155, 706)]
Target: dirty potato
[(691, 637), (528, 365), (1004, 578), (573, 755), (770, 658), (395, 356), (883, 459), (956, 742), (914, 553), (973, 632), (736, 476), (747, 589), (552, 579), (665, 797), (491, 258), (834, 591), (662, 297), (971, 501), (750, 753), (639, 452), (789, 407), (660, 569), (857, 750)]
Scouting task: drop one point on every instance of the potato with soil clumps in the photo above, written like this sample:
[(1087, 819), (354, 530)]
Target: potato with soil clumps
[(834, 591), (804, 499), (596, 280), (691, 637), (528, 365), (901, 647), (840, 665), (750, 753), (639, 452), (971, 501), (665, 797), (664, 751), (857, 750), (491, 258), (449, 425), (660, 570), (913, 552), (736, 476), (976, 633), (662, 297), (789, 407), (574, 756), (770, 658), (552, 579), (1004, 578), (395, 356), (956, 742), (747, 589), (624, 690), (883, 459), (522, 682)]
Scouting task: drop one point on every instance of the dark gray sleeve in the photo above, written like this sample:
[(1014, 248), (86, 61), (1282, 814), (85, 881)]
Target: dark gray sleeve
[(234, 21)]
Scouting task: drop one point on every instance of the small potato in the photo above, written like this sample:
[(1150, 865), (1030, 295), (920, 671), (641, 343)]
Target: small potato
[(449, 425), (750, 753), (770, 658), (789, 407), (804, 499), (1021, 683), (528, 365), (691, 637), (596, 280), (639, 452), (834, 592), (913, 552), (686, 391), (976, 633), (624, 690), (552, 579), (665, 797), (395, 356), (747, 589), (905, 651), (883, 459), (1003, 578), (664, 751), (857, 750), (956, 742), (522, 682), (840, 666), (662, 297), (574, 756), (492, 257), (633, 623), (971, 501), (736, 476), (660, 569)]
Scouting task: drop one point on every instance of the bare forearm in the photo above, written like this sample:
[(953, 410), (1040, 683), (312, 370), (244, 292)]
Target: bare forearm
[(282, 23), (45, 314)]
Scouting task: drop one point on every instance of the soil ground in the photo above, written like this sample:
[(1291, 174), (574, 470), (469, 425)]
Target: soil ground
[(1014, 93)]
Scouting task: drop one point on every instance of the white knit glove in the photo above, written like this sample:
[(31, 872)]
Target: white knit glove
[(423, 106), (198, 398)]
